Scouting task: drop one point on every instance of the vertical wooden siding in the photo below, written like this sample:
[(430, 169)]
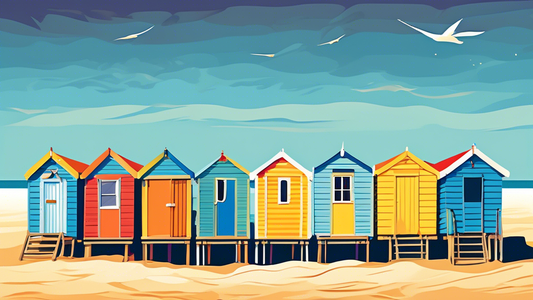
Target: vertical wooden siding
[(282, 220), (362, 195), (451, 195), (34, 194), (386, 197), (207, 198)]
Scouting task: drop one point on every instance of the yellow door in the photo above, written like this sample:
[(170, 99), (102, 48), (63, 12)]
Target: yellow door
[(343, 219), (407, 205)]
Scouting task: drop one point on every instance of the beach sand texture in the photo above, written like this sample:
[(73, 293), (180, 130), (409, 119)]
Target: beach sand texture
[(106, 277)]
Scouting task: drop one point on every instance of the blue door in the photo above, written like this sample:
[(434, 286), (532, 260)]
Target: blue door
[(225, 207), (54, 214), (473, 204)]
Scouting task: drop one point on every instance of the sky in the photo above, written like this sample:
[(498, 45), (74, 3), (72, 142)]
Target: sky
[(191, 84)]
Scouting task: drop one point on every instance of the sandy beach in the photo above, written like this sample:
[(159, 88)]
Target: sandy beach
[(105, 277)]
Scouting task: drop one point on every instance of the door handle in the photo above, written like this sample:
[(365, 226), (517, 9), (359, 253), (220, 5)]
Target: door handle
[(171, 205)]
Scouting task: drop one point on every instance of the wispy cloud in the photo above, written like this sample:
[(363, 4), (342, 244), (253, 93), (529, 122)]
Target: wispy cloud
[(29, 111), (399, 88), (340, 116)]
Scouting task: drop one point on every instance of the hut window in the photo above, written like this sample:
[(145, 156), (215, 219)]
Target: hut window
[(109, 194), (221, 190), (473, 189), (284, 196), (342, 188)]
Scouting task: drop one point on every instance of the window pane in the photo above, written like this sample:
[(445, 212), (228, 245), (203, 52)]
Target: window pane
[(283, 191), (109, 201), (108, 187), (220, 190), (337, 183), (346, 183), (472, 189), (346, 195), (338, 195)]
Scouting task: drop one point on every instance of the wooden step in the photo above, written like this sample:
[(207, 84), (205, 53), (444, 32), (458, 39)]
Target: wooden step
[(39, 245), (410, 245), (410, 252)]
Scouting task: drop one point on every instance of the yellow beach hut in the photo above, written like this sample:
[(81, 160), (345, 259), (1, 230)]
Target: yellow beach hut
[(282, 197), (406, 200)]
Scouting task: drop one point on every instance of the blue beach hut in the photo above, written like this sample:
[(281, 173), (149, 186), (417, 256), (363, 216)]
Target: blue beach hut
[(342, 207), (470, 203), (223, 214)]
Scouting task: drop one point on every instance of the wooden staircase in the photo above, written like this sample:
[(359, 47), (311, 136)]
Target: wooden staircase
[(45, 245), (410, 247), (469, 248)]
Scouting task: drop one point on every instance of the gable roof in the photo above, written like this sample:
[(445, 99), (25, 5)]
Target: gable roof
[(160, 157), (132, 167), (222, 157), (285, 156), (73, 167), (342, 154), (384, 166), (448, 165)]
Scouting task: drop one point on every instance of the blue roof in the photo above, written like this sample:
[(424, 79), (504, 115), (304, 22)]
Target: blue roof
[(346, 155)]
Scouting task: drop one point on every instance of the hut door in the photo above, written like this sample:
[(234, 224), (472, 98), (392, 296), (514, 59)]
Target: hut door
[(407, 205), (178, 218), (473, 204), (159, 194), (343, 221), (54, 214), (225, 207)]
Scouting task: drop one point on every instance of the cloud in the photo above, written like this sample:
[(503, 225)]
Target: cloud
[(399, 88), (338, 117), (29, 111)]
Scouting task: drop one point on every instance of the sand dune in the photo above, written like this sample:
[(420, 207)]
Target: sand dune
[(107, 278)]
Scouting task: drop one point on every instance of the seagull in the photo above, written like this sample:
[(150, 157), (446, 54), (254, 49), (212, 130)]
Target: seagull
[(449, 35), (133, 36), (266, 55), (332, 41)]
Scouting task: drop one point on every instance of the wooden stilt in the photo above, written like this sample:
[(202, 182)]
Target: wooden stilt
[(238, 251), (256, 253), (306, 251), (356, 251), (501, 248), (489, 247), (169, 252), (203, 254), (62, 246), (326, 252), (126, 252), (301, 251), (72, 245), (245, 252), (145, 250), (88, 250), (264, 251), (495, 248), (427, 248), (188, 253), (151, 251), (390, 249), (292, 251), (208, 254), (367, 250), (197, 254), (319, 253)]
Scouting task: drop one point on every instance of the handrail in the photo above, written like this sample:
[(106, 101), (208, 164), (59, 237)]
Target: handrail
[(499, 234), (450, 222)]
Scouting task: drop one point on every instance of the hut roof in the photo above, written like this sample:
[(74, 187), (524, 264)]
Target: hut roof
[(132, 167), (160, 157), (384, 166), (222, 157), (285, 156), (74, 167)]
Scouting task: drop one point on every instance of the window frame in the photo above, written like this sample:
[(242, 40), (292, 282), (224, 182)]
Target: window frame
[(117, 193), (225, 190), (342, 190), (288, 180)]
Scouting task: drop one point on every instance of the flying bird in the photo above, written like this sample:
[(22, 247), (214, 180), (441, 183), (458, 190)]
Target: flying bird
[(449, 35), (266, 55), (332, 41), (133, 36)]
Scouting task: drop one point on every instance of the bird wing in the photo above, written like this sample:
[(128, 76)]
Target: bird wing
[(428, 34), (145, 31), (451, 30), (340, 37), (468, 33), (266, 55), (326, 43), (129, 37)]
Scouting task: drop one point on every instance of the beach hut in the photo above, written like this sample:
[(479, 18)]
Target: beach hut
[(282, 204), (166, 204), (470, 203), (342, 205), (55, 204), (223, 214), (110, 196), (406, 200)]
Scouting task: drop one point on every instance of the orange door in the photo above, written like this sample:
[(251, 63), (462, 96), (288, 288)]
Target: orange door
[(159, 214)]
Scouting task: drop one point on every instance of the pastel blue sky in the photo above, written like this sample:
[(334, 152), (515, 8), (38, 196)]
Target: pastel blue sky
[(190, 84)]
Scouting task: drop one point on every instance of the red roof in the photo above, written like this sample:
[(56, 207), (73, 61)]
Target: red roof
[(442, 165), (76, 165), (137, 167), (378, 166)]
